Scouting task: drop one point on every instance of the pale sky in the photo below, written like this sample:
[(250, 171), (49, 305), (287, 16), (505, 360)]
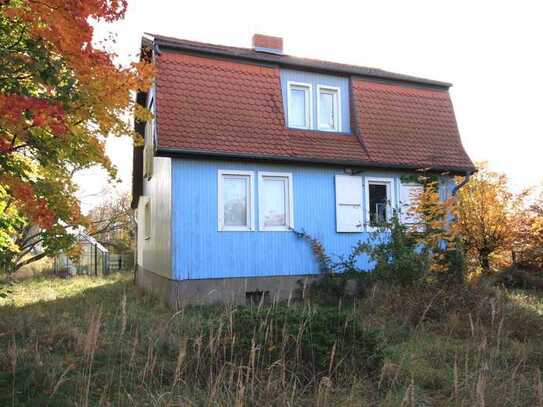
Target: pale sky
[(490, 50)]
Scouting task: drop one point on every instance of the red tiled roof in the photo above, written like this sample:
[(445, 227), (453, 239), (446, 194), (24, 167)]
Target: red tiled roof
[(219, 106), (163, 42), (408, 126)]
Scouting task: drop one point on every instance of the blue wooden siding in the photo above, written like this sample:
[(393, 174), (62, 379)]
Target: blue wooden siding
[(200, 251), (319, 79)]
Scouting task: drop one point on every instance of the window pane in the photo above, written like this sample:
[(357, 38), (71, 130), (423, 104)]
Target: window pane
[(378, 204), (235, 201), (326, 110), (274, 202), (297, 114)]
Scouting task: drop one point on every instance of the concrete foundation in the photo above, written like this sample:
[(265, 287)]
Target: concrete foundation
[(238, 291)]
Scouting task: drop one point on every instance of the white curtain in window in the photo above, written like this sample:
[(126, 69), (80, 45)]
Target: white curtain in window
[(274, 201), (297, 113), (326, 110), (235, 193)]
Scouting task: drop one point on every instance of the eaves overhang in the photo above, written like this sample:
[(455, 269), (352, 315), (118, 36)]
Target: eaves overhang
[(185, 153)]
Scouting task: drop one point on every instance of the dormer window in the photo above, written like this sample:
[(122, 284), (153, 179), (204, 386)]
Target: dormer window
[(299, 105), (328, 108), (315, 101)]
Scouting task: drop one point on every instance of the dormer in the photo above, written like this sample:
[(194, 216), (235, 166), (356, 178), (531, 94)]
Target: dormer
[(311, 101), (314, 101)]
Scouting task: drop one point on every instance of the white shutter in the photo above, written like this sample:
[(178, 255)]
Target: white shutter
[(349, 203), (409, 194)]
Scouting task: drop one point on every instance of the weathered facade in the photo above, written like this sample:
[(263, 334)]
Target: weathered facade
[(248, 145)]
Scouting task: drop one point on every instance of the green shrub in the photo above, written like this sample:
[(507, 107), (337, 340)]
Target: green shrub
[(309, 343), (327, 290), (454, 264), (398, 257)]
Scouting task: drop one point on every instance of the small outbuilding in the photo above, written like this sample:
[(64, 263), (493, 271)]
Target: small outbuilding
[(92, 260)]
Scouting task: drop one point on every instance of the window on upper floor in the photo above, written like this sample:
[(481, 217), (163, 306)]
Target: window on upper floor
[(328, 108), (316, 101), (299, 105)]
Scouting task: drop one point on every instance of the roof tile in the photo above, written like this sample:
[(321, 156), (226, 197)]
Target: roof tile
[(225, 106)]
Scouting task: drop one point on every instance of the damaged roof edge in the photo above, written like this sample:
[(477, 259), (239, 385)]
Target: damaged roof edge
[(285, 60), (177, 152)]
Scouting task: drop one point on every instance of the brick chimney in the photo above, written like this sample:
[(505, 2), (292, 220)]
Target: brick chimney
[(267, 43)]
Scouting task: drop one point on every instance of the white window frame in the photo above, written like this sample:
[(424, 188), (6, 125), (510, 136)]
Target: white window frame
[(250, 223), (391, 201), (337, 107), (308, 104), (289, 206)]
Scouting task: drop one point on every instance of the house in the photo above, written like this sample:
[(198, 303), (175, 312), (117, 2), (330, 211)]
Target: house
[(248, 144)]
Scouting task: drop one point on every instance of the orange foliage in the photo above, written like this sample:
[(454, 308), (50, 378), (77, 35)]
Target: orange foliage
[(24, 112), (45, 132), (35, 207)]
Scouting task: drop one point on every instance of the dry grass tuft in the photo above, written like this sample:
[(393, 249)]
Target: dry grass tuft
[(97, 342)]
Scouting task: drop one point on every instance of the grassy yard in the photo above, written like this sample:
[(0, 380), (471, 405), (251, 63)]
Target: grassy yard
[(97, 341)]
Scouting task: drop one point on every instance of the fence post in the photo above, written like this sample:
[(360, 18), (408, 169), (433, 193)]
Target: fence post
[(95, 260)]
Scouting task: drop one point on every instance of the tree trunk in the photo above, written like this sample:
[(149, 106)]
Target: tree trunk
[(28, 261), (484, 260)]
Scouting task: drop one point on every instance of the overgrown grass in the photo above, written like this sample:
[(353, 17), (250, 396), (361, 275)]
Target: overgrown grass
[(96, 341)]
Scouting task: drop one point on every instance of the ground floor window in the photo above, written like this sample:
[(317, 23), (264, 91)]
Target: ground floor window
[(275, 201), (235, 204), (379, 201)]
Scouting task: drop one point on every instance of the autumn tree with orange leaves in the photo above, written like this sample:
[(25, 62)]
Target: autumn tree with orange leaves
[(484, 209), (528, 235), (493, 225), (61, 96)]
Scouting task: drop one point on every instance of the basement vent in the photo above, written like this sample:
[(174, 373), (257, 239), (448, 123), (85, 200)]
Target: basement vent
[(257, 297)]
